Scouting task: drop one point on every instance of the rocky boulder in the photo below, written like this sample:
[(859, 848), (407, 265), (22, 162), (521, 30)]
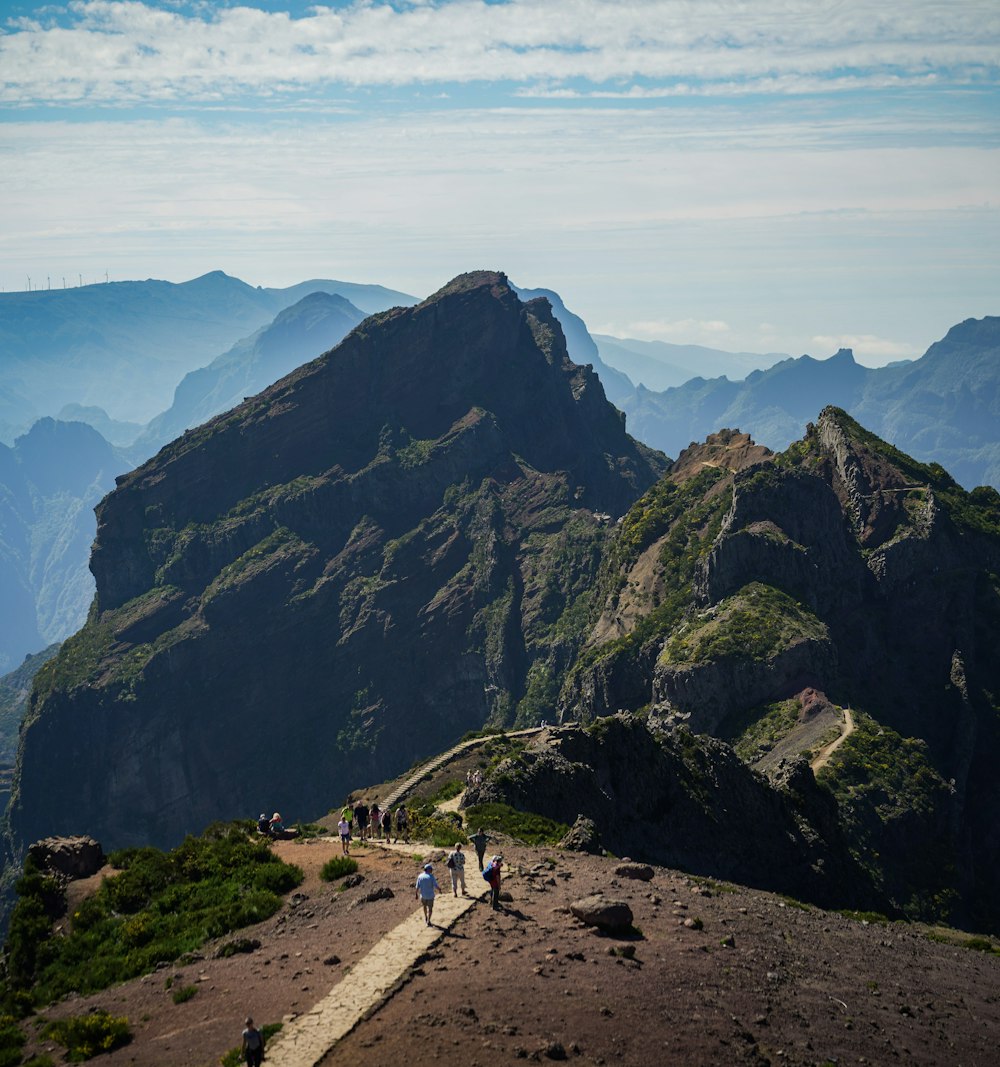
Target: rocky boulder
[(612, 916), (70, 857)]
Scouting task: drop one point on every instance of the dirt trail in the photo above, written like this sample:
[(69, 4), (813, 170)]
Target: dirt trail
[(824, 754), (307, 1039)]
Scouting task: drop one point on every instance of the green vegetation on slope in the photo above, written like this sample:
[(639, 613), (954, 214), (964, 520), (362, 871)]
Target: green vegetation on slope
[(755, 623), (160, 906)]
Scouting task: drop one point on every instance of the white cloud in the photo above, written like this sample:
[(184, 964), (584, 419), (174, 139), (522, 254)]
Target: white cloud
[(115, 50)]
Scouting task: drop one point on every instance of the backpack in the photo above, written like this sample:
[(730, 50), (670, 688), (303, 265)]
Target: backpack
[(451, 862), (488, 872)]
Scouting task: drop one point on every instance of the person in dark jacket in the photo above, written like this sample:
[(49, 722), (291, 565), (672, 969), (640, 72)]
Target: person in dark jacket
[(492, 875)]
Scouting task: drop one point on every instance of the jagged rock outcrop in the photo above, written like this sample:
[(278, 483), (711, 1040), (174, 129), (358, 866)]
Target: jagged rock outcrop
[(841, 565), (680, 800), (68, 857), (347, 571)]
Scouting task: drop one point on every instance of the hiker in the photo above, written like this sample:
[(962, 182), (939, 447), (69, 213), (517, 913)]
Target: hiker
[(252, 1048), (479, 841), (387, 823), (492, 875), (402, 824), (276, 826), (347, 812), (375, 820), (361, 818), (456, 864), (263, 824), (426, 887), (344, 829)]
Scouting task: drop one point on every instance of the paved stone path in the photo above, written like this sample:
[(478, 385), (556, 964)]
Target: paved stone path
[(439, 761), (305, 1040)]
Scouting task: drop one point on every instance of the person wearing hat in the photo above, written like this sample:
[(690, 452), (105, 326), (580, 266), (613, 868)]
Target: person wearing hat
[(427, 886), (263, 825)]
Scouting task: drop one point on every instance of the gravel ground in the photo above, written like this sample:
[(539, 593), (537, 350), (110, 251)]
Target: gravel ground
[(718, 974)]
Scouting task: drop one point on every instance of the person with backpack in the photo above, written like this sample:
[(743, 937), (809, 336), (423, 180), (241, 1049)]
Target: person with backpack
[(252, 1048), (387, 822), (456, 864), (402, 824), (427, 886), (492, 875), (375, 821)]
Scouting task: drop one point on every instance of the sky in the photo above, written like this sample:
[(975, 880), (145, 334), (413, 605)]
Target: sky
[(771, 176)]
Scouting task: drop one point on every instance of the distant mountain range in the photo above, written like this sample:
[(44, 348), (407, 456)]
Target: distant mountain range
[(659, 365), (124, 346), (942, 408), (50, 482)]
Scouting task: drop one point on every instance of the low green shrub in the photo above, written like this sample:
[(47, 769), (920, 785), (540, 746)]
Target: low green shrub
[(11, 1041), (86, 1036), (185, 993), (338, 867), (160, 906), (525, 826)]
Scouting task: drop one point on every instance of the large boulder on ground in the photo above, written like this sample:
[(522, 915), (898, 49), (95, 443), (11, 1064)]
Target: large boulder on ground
[(71, 857), (614, 916), (640, 871)]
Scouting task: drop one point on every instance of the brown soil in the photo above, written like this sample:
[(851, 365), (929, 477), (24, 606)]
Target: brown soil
[(764, 980), (796, 985)]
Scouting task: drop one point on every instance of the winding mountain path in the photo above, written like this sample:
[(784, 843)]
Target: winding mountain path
[(307, 1039), (439, 761), (822, 757)]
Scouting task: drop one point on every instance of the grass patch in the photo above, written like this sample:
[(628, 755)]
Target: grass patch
[(86, 1036), (338, 867), (185, 993), (524, 826)]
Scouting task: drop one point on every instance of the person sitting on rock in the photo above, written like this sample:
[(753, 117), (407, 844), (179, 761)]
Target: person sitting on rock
[(276, 826), (263, 825)]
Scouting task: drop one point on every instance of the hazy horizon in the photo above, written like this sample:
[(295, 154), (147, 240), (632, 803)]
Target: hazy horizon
[(784, 178)]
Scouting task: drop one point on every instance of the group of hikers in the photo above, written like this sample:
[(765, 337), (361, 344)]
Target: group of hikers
[(427, 884), (371, 823)]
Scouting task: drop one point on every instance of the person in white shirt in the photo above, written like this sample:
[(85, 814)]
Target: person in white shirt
[(456, 864)]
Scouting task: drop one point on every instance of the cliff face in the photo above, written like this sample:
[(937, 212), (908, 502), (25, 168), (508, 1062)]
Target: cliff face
[(840, 565), (346, 572)]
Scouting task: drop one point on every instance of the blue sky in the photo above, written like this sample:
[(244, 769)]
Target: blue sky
[(785, 175)]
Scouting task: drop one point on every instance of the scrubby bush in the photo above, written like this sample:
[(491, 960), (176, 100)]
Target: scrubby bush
[(338, 867), (158, 907), (86, 1036), (525, 826)]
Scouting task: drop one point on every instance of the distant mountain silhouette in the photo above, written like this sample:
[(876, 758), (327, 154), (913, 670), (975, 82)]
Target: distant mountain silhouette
[(298, 334), (49, 483), (942, 408), (660, 365), (125, 345)]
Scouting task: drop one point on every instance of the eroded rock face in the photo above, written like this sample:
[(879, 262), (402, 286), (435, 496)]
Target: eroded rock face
[(686, 801), (346, 571), (71, 857), (582, 836)]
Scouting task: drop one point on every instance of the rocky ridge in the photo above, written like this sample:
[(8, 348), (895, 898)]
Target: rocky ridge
[(375, 554)]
